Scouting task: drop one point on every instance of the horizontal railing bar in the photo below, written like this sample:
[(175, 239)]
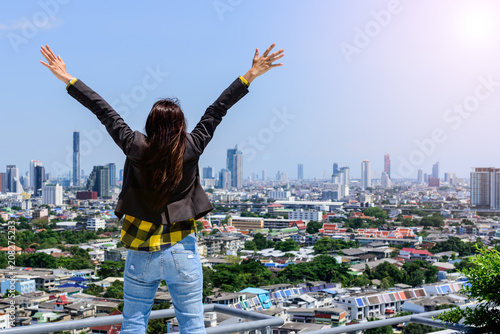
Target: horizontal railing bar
[(259, 321)]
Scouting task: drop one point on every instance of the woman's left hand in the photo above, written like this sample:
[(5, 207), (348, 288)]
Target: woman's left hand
[(55, 64)]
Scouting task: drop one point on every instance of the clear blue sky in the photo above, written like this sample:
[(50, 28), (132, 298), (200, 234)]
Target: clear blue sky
[(416, 79)]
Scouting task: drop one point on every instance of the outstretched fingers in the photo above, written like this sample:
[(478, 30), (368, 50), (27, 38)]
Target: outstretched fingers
[(268, 50)]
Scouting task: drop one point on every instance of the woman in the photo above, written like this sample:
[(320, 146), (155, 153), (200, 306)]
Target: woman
[(162, 195)]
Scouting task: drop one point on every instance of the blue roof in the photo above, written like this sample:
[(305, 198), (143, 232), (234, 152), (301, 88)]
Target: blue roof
[(330, 291), (256, 291)]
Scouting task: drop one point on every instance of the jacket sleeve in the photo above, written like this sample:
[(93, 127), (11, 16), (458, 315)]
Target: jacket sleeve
[(204, 130), (115, 125)]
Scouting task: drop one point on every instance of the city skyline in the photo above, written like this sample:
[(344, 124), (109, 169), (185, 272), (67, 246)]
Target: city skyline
[(422, 94)]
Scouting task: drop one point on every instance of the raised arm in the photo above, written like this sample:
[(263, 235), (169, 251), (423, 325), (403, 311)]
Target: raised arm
[(116, 126), (204, 130)]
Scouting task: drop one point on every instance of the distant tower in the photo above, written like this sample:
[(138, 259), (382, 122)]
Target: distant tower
[(420, 176), (300, 172), (76, 159), (387, 165), (208, 173), (263, 175), (385, 181), (435, 170), (366, 179), (33, 164), (112, 174), (98, 181), (224, 179), (234, 163), (39, 180), (13, 179), (335, 169)]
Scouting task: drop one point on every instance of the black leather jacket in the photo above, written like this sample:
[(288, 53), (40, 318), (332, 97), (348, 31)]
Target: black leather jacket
[(189, 200)]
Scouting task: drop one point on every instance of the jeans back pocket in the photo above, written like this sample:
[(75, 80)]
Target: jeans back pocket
[(137, 264), (187, 264)]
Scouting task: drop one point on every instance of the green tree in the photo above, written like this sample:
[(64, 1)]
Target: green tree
[(483, 286), (379, 330), (261, 242), (287, 245), (158, 325), (111, 269), (414, 328), (376, 212), (115, 290), (313, 227), (36, 260), (385, 283)]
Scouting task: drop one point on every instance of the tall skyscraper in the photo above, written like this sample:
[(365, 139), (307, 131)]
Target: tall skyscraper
[(387, 165), (98, 181), (3, 182), (385, 181), (366, 179), (112, 174), (234, 163), (300, 172), (13, 182), (485, 188), (263, 175), (224, 179), (76, 159), (435, 170), (420, 176), (208, 173), (335, 169), (39, 180), (33, 164)]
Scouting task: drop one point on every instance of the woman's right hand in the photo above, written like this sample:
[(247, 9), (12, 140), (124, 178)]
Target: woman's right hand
[(261, 65)]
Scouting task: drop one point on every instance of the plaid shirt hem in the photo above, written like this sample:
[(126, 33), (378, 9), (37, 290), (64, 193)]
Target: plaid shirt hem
[(141, 235)]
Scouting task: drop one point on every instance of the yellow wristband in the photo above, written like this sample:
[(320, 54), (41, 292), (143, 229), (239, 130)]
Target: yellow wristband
[(71, 82), (244, 81)]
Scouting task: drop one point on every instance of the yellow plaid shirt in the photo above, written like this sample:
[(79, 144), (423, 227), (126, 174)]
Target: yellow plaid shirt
[(141, 235)]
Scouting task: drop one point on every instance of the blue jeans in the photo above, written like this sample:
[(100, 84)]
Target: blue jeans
[(180, 267)]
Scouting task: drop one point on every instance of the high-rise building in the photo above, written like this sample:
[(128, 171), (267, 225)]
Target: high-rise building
[(366, 179), (263, 175), (39, 179), (121, 174), (339, 188), (300, 172), (224, 179), (335, 169), (3, 182), (13, 181), (52, 194), (385, 181), (420, 176), (98, 181), (208, 173), (435, 170), (76, 159), (485, 188), (33, 164), (112, 174), (387, 165), (234, 163)]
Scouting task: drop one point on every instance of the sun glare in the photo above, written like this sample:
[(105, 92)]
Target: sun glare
[(479, 24)]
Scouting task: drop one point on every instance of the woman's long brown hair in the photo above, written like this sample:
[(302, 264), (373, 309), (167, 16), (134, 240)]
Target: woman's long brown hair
[(166, 135)]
